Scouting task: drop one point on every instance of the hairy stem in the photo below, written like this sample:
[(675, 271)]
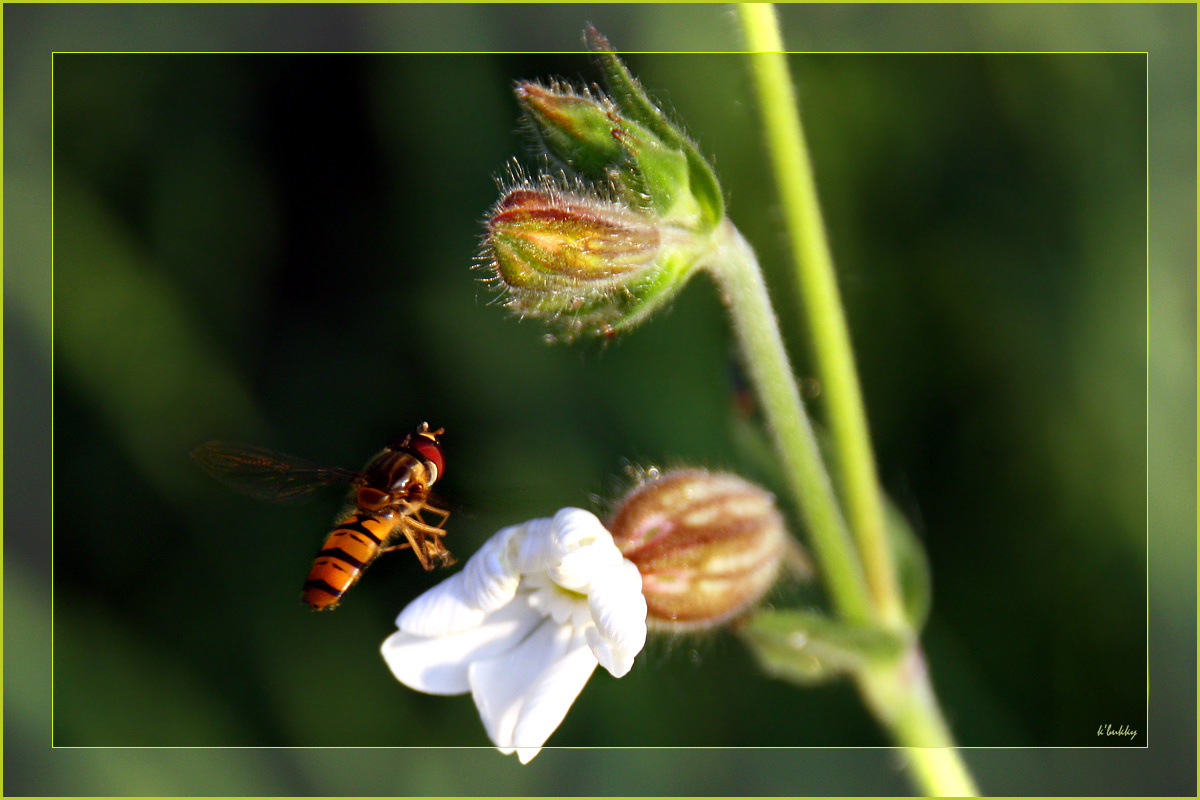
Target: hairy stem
[(827, 329), (899, 693), (735, 268)]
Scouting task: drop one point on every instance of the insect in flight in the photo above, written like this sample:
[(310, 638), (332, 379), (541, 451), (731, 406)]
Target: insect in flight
[(387, 500)]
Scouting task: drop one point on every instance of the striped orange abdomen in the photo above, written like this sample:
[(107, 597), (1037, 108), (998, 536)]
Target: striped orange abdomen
[(348, 550)]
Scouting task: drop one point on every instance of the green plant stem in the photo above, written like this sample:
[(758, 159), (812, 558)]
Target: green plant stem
[(899, 693), (902, 697), (735, 269), (817, 285)]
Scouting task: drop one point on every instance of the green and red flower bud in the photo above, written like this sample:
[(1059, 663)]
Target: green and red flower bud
[(586, 264), (574, 127), (709, 545), (637, 107), (545, 238), (612, 237), (590, 135)]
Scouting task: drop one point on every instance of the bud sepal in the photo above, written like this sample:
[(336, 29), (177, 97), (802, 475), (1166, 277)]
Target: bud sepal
[(625, 142), (807, 648), (637, 106)]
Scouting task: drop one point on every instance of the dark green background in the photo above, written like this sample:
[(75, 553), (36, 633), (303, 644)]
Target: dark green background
[(277, 249)]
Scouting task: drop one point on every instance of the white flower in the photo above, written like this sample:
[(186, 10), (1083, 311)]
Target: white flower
[(523, 626)]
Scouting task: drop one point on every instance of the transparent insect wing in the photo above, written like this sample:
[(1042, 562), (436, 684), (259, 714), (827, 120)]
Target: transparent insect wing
[(265, 474)]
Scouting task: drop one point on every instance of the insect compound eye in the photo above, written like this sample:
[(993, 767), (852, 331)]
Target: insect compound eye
[(431, 451)]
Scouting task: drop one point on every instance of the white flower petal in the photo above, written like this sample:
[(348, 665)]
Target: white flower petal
[(498, 684), (581, 546), (618, 608), (553, 602), (524, 625), (439, 664), (550, 697), (602, 651), (536, 551), (491, 578), (460, 602), (441, 611), (503, 686), (575, 528), (576, 569)]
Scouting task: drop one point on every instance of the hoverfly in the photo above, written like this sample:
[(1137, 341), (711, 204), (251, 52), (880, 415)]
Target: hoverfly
[(387, 500)]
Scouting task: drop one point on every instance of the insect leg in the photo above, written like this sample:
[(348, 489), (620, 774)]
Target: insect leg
[(416, 540), (423, 527), (439, 556), (445, 515)]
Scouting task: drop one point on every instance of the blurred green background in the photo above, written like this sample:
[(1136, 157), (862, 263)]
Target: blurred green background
[(276, 249)]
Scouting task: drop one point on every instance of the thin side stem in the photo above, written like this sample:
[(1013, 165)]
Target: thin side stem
[(817, 285), (735, 268)]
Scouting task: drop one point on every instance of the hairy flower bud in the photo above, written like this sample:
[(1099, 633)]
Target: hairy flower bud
[(590, 265), (574, 127), (589, 133), (637, 107), (548, 239), (708, 545), (633, 211)]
